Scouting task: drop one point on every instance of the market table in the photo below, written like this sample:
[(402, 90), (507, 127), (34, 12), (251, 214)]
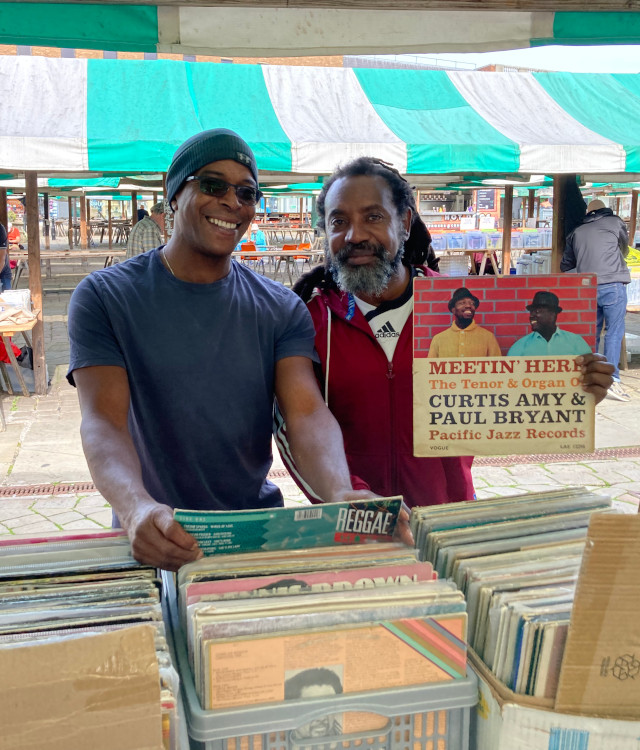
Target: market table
[(275, 234), (49, 255), (7, 330), (278, 257), (120, 230)]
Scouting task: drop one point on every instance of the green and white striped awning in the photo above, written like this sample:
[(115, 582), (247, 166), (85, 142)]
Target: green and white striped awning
[(104, 116), (194, 28)]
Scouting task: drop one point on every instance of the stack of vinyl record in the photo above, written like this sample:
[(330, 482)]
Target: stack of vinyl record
[(68, 587), (516, 559), (293, 621)]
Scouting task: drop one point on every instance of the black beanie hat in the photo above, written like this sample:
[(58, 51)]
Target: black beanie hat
[(204, 148)]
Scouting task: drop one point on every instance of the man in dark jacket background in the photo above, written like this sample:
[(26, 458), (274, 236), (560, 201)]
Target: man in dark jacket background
[(600, 245)]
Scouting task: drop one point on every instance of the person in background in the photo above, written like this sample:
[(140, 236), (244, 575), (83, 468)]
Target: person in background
[(13, 236), (257, 237), (5, 267), (361, 302), (147, 233), (600, 245), (545, 337), (158, 433)]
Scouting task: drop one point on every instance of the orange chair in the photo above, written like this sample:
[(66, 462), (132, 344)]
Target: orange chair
[(250, 247), (288, 260), (302, 247)]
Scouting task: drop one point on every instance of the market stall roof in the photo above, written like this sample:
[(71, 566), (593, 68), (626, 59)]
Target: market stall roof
[(91, 187), (296, 188), (248, 28), (129, 116)]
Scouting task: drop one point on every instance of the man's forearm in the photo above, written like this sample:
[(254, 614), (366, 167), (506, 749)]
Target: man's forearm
[(114, 466), (317, 448)]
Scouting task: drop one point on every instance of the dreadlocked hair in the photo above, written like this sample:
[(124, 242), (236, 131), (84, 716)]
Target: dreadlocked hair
[(318, 277), (416, 246)]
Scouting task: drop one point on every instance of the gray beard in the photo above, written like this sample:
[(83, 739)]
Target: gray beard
[(369, 280)]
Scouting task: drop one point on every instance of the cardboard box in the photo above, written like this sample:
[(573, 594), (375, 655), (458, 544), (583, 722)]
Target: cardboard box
[(97, 692), (600, 674), (503, 720)]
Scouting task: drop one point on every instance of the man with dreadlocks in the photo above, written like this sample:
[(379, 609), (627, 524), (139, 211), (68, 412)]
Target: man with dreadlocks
[(361, 302)]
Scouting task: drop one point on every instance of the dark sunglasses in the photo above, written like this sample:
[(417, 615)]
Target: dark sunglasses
[(218, 188)]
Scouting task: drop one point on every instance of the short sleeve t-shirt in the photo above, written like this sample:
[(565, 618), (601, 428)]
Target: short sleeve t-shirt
[(200, 359)]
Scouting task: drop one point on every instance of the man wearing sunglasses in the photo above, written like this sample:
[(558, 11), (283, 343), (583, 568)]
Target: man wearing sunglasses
[(166, 424)]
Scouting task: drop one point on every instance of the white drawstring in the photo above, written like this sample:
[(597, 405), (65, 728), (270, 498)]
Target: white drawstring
[(326, 369)]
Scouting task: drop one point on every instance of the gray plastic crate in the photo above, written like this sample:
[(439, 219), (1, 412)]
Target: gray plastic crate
[(424, 717)]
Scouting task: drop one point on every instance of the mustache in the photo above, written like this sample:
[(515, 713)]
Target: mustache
[(350, 249)]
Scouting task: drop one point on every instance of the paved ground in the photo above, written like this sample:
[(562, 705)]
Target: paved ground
[(41, 446)]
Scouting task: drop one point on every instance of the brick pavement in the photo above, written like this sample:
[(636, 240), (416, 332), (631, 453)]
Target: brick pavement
[(42, 445)]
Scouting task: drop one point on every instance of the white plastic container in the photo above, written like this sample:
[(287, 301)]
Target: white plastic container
[(433, 716), (545, 255), (537, 265), (17, 297), (523, 265), (454, 265)]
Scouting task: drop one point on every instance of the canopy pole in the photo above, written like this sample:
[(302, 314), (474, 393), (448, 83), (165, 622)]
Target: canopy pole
[(633, 219), (134, 208), (46, 229), (558, 237), (167, 208), (70, 228), (4, 211), (35, 281), (83, 223), (531, 207), (110, 224), (506, 230)]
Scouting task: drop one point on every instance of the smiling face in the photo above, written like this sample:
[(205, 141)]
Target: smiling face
[(365, 234), (208, 225), (543, 320), (464, 311)]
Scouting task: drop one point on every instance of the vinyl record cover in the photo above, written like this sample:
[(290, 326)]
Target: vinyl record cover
[(224, 532), (495, 369)]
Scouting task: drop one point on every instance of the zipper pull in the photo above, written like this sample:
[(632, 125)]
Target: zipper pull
[(390, 374)]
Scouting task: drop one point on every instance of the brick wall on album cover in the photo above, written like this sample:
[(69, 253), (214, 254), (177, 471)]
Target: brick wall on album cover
[(503, 301)]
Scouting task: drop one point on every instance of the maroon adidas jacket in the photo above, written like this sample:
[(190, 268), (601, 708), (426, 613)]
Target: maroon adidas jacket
[(372, 400)]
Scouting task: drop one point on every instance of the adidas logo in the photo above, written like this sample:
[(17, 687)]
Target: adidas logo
[(387, 332)]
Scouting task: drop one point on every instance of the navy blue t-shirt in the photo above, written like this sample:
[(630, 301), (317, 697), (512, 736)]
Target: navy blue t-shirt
[(200, 359)]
